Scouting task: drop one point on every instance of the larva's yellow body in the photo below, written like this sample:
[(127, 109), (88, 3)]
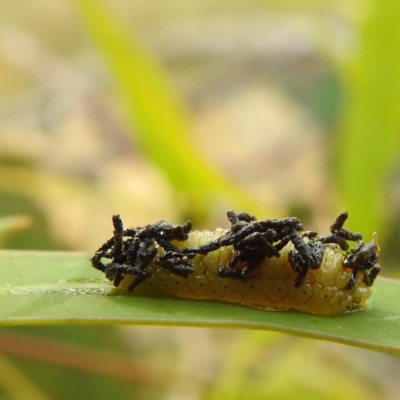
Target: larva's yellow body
[(271, 287)]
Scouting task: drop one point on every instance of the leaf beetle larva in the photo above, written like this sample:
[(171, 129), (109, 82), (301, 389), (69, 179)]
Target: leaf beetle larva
[(271, 264)]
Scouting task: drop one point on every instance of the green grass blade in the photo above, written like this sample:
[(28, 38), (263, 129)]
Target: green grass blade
[(160, 120), (62, 288), (370, 140)]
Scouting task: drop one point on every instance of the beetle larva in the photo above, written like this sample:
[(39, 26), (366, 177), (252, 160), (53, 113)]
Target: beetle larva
[(271, 264)]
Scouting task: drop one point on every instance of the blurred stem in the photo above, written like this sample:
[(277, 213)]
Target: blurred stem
[(84, 359), (17, 384)]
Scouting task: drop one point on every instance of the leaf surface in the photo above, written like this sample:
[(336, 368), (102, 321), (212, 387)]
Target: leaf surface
[(62, 288)]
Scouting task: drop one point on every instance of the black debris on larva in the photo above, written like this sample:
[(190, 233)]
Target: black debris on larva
[(131, 251)]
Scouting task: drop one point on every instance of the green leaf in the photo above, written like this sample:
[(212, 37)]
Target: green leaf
[(62, 288)]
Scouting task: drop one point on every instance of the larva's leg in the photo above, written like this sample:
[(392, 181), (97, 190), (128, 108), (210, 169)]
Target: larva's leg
[(117, 278), (145, 254), (115, 272), (370, 277), (300, 278), (138, 280)]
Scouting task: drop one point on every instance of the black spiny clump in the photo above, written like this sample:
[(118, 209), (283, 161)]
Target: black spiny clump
[(131, 251)]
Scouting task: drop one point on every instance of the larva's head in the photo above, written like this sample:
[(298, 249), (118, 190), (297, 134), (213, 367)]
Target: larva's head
[(362, 257)]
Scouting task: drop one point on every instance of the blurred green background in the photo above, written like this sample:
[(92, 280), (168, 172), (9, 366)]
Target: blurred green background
[(185, 109)]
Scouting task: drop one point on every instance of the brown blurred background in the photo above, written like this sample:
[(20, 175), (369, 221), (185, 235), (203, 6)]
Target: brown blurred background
[(185, 109)]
